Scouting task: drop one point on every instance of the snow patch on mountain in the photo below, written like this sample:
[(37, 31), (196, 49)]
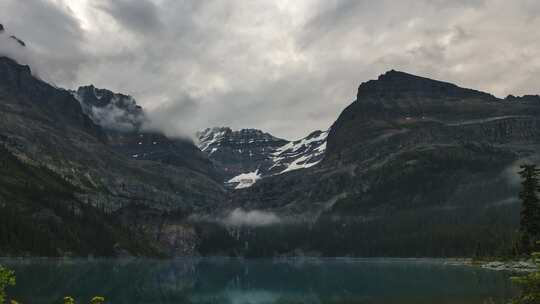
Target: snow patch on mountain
[(248, 155), (210, 136), (301, 154), (245, 180)]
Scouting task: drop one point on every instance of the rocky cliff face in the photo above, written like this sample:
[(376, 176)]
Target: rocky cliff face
[(112, 111), (13, 38), (43, 126), (123, 122), (398, 100), (239, 152), (248, 155), (401, 114), (420, 157)]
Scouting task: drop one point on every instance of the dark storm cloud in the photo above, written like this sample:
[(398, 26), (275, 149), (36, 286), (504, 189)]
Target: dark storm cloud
[(139, 15), (287, 67)]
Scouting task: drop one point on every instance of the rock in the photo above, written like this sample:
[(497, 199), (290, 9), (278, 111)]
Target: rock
[(19, 41), (512, 266), (251, 152), (237, 152), (123, 121), (532, 99)]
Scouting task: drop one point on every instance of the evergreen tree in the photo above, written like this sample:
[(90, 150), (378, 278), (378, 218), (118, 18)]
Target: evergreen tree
[(530, 209)]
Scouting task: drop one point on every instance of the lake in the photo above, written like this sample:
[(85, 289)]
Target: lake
[(257, 281)]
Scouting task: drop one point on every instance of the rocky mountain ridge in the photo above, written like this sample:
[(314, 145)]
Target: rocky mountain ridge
[(12, 37), (382, 124), (46, 129), (248, 155), (110, 110), (419, 157), (413, 167), (123, 122)]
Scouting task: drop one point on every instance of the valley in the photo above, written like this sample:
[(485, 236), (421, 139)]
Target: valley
[(413, 167)]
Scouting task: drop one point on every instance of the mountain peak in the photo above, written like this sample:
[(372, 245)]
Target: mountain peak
[(14, 65), (533, 99), (13, 37), (19, 41), (17, 76), (246, 155), (394, 75), (110, 110), (397, 84)]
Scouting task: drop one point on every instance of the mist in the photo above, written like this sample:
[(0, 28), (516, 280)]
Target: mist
[(253, 218)]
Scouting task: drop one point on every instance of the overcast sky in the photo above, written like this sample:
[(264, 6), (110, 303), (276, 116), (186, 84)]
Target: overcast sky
[(287, 67)]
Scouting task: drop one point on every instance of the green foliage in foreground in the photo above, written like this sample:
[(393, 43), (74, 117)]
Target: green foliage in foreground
[(530, 285), (95, 300), (7, 278)]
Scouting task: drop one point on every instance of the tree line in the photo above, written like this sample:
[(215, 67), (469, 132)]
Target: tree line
[(530, 209)]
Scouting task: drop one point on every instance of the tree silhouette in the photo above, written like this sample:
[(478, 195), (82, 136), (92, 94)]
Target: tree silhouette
[(530, 208)]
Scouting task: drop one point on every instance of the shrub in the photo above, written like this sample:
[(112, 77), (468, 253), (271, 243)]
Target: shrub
[(7, 278), (530, 285), (97, 300), (69, 300)]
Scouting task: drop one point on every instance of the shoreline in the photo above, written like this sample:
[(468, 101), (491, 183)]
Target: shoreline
[(518, 266)]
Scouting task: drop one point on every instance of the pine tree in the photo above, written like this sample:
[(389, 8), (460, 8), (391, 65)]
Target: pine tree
[(530, 209)]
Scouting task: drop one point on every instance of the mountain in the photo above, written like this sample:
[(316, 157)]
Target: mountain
[(413, 167), (123, 122), (247, 155), (239, 152), (112, 111), (66, 183), (300, 154)]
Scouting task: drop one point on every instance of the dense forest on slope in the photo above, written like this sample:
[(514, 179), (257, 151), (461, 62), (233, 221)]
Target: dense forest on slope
[(41, 215)]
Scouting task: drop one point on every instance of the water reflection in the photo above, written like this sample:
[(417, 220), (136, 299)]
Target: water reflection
[(257, 281)]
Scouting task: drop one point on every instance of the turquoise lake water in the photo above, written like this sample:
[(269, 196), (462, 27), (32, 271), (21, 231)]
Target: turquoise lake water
[(257, 281)]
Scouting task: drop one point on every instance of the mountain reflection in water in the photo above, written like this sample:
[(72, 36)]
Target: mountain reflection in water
[(258, 281)]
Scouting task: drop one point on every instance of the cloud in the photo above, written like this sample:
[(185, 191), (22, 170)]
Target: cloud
[(176, 117), (53, 37), (140, 16), (287, 67), (120, 114), (252, 218)]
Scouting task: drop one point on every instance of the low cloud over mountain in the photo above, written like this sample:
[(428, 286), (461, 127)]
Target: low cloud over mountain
[(196, 64)]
